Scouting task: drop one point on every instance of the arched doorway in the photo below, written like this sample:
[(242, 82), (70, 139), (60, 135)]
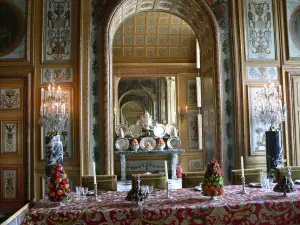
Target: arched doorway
[(200, 17)]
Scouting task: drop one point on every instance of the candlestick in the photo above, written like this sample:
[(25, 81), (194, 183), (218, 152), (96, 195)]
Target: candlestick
[(242, 166), (243, 186), (94, 170), (166, 171)]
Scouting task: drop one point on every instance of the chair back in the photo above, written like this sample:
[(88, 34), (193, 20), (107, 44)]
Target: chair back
[(283, 171), (157, 180), (251, 176), (192, 179), (104, 182)]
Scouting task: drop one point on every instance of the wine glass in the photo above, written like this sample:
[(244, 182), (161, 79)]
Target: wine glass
[(85, 191)]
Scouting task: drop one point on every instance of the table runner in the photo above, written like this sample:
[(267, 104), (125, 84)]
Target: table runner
[(185, 206)]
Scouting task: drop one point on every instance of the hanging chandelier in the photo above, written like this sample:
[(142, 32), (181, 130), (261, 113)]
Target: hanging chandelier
[(53, 115)]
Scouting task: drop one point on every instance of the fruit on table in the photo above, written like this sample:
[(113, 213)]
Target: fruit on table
[(213, 184)]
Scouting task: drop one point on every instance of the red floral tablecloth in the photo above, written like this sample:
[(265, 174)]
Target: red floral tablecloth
[(185, 206)]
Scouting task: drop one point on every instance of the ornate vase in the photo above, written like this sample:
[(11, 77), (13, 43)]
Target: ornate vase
[(274, 155), (54, 155), (161, 147), (135, 147)]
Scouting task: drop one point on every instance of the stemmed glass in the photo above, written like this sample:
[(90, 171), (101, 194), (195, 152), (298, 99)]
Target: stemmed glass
[(84, 191)]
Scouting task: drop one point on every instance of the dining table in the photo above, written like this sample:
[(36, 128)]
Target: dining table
[(175, 207)]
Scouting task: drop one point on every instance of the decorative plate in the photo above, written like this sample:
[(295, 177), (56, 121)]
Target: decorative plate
[(135, 131), (122, 144), (171, 129), (174, 142), (147, 143), (121, 127), (159, 130)]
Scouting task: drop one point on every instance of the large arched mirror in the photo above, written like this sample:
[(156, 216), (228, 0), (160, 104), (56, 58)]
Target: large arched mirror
[(145, 38)]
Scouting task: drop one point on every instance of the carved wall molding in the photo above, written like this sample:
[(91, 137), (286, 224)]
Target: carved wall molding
[(152, 71)]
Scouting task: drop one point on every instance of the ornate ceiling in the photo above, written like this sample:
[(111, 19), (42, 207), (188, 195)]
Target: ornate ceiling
[(155, 37)]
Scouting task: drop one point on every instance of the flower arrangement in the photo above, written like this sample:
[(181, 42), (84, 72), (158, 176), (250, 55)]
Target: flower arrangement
[(213, 181), (59, 189), (160, 144), (134, 144)]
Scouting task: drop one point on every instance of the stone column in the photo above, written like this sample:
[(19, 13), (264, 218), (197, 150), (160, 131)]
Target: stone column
[(123, 166), (174, 163)]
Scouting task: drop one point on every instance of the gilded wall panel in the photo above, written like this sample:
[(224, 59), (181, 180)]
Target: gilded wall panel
[(262, 73), (58, 30), (13, 41), (293, 25), (59, 75), (259, 25)]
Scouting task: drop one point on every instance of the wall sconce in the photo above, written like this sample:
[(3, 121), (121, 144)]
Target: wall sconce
[(182, 114)]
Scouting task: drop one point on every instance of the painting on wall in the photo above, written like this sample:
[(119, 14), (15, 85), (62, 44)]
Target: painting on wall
[(66, 135), (58, 30), (12, 29), (10, 185), (192, 92), (293, 25), (193, 129), (9, 137), (58, 75), (260, 41), (10, 98), (257, 130)]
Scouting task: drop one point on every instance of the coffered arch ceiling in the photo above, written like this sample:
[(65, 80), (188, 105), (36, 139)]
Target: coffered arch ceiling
[(154, 37)]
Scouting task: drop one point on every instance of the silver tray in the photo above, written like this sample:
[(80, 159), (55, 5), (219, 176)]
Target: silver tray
[(147, 143), (159, 130), (121, 127), (135, 131), (174, 143), (122, 144)]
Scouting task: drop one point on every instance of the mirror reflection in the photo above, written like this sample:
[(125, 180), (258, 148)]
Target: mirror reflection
[(136, 96)]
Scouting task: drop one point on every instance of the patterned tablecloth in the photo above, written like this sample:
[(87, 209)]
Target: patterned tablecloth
[(185, 206)]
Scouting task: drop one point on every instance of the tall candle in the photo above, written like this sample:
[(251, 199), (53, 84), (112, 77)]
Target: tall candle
[(186, 109), (197, 55), (94, 169), (166, 170), (242, 166)]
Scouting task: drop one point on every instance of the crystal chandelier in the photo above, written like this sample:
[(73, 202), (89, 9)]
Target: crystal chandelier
[(53, 115), (268, 107)]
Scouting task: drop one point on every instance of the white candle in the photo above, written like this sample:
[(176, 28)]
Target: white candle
[(94, 169), (41, 110), (43, 92), (242, 166), (166, 170), (186, 109), (197, 55)]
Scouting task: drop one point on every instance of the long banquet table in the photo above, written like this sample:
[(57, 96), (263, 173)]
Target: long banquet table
[(184, 207)]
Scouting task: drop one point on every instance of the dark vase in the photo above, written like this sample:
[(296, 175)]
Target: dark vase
[(274, 155)]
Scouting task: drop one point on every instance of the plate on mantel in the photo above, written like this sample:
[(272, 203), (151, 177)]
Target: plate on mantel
[(159, 130), (174, 143), (147, 143), (122, 144)]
